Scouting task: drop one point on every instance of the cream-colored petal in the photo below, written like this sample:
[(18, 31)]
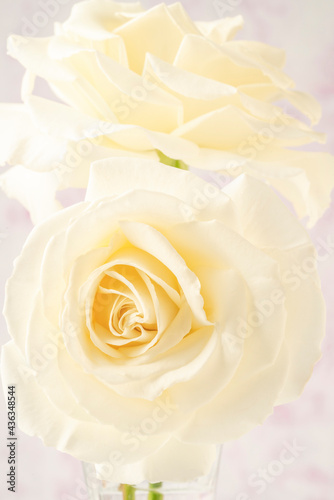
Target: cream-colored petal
[(164, 307), (155, 270), (140, 140), (266, 222), (305, 327), (38, 417), (140, 102), (63, 76), (230, 63), (86, 136), (310, 188), (172, 335), (202, 200), (175, 461), (306, 179), (102, 220), (230, 128), (252, 48), (265, 58), (225, 248), (177, 365), (182, 18), (65, 45), (151, 241), (153, 31), (144, 377), (73, 321), (35, 190), (132, 99), (58, 120), (25, 280), (82, 96), (221, 30), (243, 404), (113, 177), (295, 174), (226, 287), (96, 19), (22, 143), (305, 103), (77, 125), (53, 279), (110, 408), (184, 82), (130, 278), (32, 53), (43, 343)]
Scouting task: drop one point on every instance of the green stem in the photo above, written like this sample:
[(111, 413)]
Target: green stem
[(171, 162), (129, 492), (155, 495)]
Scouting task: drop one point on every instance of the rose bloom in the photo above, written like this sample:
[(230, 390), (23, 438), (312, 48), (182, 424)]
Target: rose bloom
[(157, 84), (160, 317)]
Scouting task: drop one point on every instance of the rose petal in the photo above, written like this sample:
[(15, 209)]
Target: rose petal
[(36, 191), (244, 403), (230, 128), (22, 142), (25, 280), (175, 461), (153, 31), (229, 63), (144, 103), (221, 30), (151, 241), (38, 417), (96, 20), (182, 18), (116, 176), (224, 248)]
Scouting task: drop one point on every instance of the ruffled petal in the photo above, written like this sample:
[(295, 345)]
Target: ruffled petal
[(230, 128), (221, 30), (39, 417), (36, 191), (22, 143), (96, 19), (25, 280), (153, 31), (243, 404)]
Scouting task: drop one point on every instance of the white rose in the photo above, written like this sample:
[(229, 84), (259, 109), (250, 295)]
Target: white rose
[(160, 317), (151, 83)]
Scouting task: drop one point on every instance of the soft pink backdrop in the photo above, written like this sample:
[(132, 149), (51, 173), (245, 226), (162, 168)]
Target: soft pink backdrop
[(305, 29)]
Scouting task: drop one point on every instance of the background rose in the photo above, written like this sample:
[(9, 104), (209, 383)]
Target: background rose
[(141, 338), (154, 82)]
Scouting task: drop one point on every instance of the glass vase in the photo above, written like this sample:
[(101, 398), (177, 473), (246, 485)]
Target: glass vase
[(202, 488)]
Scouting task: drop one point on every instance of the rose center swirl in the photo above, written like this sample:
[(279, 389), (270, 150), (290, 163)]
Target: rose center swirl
[(130, 310)]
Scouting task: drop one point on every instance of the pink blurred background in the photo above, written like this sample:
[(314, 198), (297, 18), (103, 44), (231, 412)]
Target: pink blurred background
[(304, 28)]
